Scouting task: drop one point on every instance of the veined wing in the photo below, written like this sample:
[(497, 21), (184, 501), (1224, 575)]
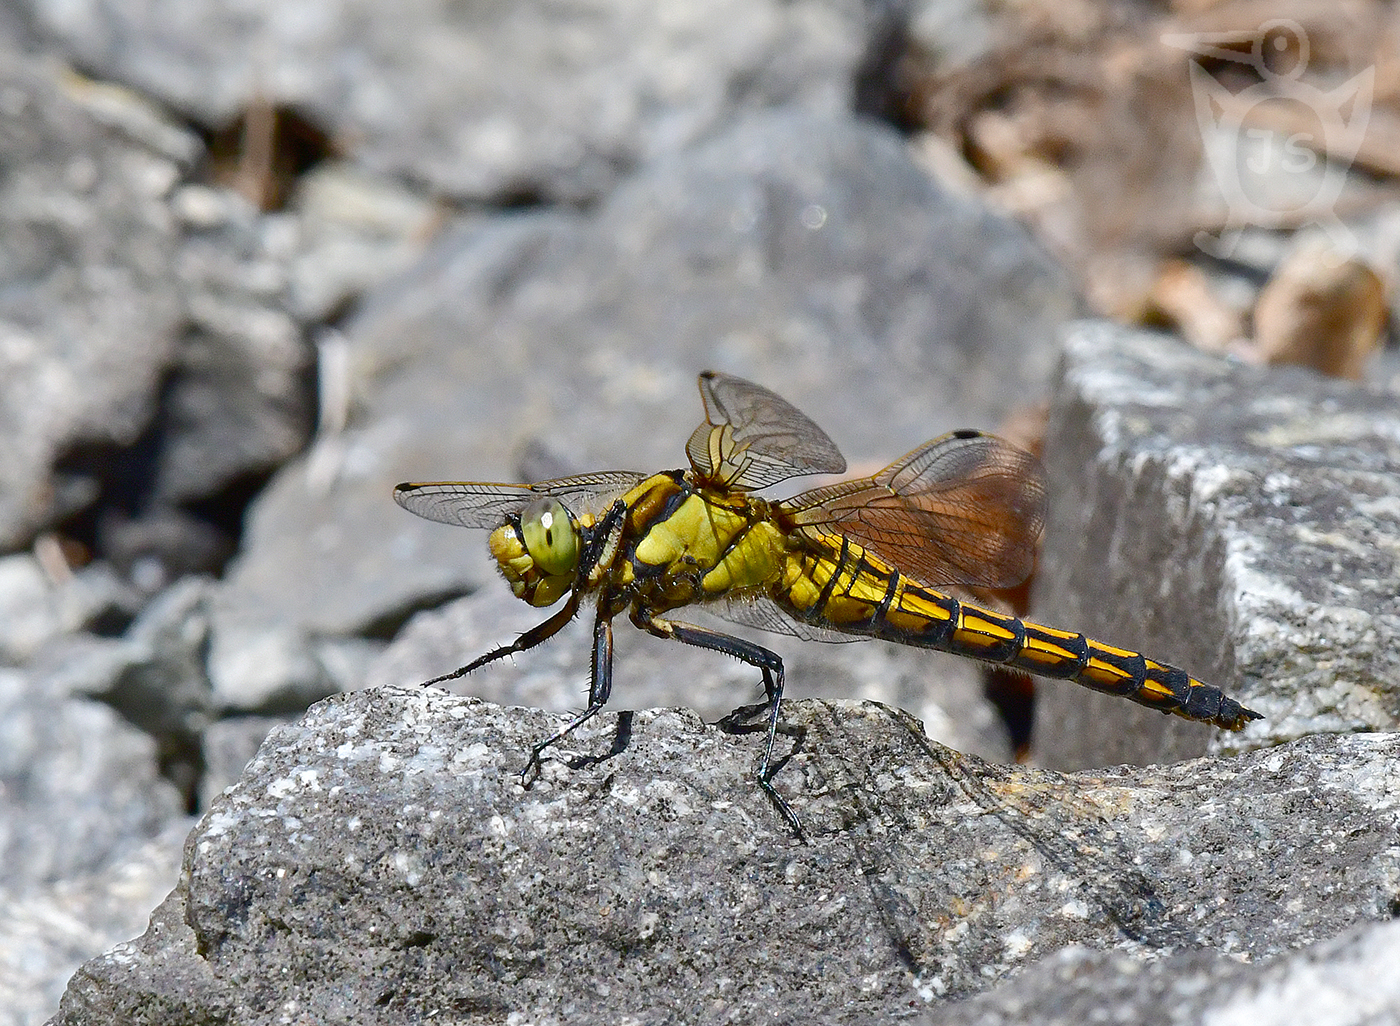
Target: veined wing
[(762, 612), (486, 504), (964, 509), (752, 437)]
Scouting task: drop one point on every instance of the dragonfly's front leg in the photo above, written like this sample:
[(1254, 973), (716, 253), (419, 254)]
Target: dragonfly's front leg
[(598, 541), (536, 635), (755, 655), (599, 687)]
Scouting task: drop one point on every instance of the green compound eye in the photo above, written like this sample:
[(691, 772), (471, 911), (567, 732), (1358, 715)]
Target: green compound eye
[(550, 537)]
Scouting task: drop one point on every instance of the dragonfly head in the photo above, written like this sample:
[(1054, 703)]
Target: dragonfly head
[(538, 551)]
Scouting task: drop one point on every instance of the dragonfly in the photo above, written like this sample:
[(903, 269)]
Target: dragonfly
[(873, 557)]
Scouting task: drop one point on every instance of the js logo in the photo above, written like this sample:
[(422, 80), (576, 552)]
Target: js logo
[(1280, 148)]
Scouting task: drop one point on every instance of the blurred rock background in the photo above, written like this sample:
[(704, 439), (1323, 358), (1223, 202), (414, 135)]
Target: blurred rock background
[(260, 262)]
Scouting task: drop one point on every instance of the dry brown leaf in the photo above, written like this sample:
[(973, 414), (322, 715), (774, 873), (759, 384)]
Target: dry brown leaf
[(1183, 296), (1322, 311)]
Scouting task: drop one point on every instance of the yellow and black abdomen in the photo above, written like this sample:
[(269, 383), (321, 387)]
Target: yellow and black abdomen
[(857, 594)]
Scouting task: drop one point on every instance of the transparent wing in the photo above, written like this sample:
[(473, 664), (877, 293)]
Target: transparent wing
[(752, 438), (965, 509), (762, 612), (486, 504)]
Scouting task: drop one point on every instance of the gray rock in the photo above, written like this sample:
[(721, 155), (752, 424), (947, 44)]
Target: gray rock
[(145, 348), (89, 832), (354, 231), (48, 931), (348, 561), (379, 862), (154, 676), (483, 103), (35, 609), (15, 30), (87, 316), (1346, 979), (157, 545), (228, 746), (807, 253), (27, 618), (1236, 521), (79, 785), (91, 815), (239, 399), (259, 666), (347, 659)]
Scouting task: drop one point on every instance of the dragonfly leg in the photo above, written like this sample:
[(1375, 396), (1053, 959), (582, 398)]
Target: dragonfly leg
[(755, 655), (599, 687), (536, 635)]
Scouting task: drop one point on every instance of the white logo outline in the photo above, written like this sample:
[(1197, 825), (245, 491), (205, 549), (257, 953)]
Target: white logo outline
[(1335, 153)]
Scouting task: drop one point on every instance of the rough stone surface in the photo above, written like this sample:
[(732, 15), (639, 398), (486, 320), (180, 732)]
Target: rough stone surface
[(540, 98), (86, 321), (807, 253), (228, 746), (47, 931), (79, 785), (724, 208), (145, 348), (1237, 521), (88, 831), (380, 862), (1349, 979)]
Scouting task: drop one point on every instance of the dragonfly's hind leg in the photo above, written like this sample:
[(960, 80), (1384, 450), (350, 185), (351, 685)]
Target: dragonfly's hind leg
[(755, 655), (599, 687)]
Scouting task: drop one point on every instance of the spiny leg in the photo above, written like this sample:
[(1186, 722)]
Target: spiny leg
[(755, 655), (536, 635), (598, 540), (599, 687)]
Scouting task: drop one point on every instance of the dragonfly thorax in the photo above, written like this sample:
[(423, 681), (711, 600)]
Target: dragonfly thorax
[(537, 551)]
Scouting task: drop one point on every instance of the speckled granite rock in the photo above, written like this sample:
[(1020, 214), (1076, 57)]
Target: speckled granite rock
[(380, 863), (1347, 979)]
